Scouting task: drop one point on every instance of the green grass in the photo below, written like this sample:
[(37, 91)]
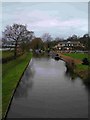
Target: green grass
[(82, 67), (82, 71), (77, 55), (0, 91), (6, 54), (0, 54), (11, 73)]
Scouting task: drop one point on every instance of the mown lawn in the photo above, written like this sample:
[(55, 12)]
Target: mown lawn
[(11, 73), (77, 55)]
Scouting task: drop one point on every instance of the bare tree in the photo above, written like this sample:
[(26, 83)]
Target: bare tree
[(16, 34), (46, 37)]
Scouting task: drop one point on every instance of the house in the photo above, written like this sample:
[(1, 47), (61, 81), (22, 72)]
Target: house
[(69, 45)]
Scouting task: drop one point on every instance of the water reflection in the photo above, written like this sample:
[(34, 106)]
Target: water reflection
[(87, 87), (45, 91), (70, 74), (26, 82), (41, 56)]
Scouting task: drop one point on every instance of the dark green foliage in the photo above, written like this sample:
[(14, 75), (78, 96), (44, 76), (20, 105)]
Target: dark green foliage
[(85, 61)]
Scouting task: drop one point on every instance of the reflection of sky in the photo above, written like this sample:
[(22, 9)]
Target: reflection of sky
[(59, 19), (43, 95)]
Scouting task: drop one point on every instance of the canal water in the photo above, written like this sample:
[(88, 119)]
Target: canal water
[(48, 91)]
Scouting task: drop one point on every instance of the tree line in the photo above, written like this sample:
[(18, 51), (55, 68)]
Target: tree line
[(22, 39)]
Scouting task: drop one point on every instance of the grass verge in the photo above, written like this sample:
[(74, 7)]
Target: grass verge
[(79, 56), (0, 91), (80, 69), (6, 54), (11, 73)]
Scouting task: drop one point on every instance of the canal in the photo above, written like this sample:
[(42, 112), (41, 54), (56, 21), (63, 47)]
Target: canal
[(48, 91)]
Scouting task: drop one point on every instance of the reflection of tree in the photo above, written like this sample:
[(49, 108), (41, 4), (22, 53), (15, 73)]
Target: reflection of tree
[(26, 83), (70, 74), (87, 87), (43, 56)]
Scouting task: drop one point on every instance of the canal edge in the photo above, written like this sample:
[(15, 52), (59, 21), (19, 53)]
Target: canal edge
[(6, 113)]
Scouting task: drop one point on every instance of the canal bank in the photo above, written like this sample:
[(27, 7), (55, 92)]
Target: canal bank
[(47, 91), (11, 78), (75, 66)]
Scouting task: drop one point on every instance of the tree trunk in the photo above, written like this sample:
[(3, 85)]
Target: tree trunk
[(15, 51)]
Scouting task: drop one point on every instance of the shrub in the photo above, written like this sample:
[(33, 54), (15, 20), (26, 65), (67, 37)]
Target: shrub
[(85, 61)]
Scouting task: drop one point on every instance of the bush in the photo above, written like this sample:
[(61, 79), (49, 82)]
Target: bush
[(85, 61)]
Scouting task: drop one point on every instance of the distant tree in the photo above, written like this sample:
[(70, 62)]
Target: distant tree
[(86, 36), (47, 39), (36, 43), (57, 39), (17, 34), (85, 40), (72, 38)]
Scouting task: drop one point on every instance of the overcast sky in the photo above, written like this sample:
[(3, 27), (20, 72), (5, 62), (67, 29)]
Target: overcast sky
[(58, 19)]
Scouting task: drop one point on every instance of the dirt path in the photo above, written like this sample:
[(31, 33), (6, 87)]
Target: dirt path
[(69, 59)]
